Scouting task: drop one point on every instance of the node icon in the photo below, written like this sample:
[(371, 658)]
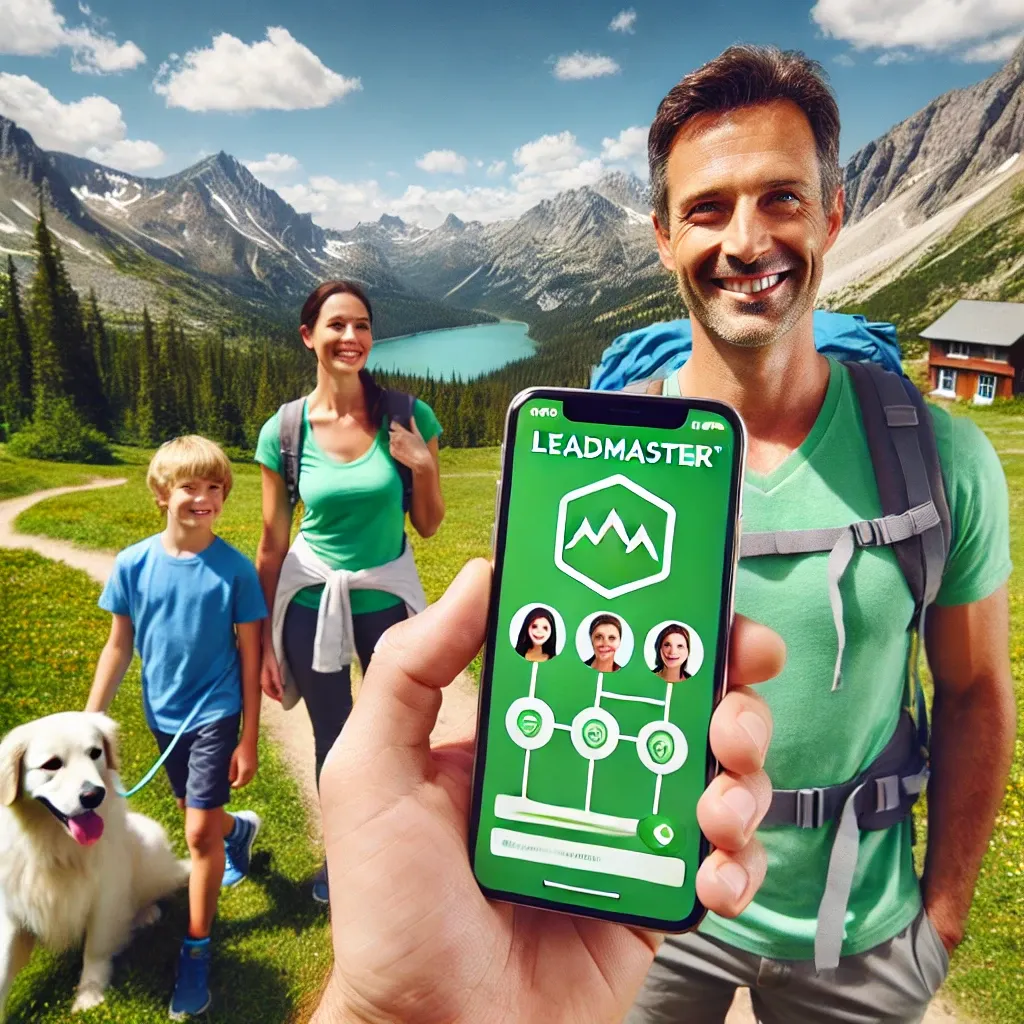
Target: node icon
[(661, 747), (529, 722), (595, 733)]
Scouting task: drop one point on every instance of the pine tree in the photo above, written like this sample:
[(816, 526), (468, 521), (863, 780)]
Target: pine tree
[(145, 426), (15, 355), (263, 406)]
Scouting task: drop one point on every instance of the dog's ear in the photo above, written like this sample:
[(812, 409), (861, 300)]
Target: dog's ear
[(108, 730), (12, 750)]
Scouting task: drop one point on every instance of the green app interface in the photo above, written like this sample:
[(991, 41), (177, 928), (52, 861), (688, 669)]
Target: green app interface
[(604, 666)]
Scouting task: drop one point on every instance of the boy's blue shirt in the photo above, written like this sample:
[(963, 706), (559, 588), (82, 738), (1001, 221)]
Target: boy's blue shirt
[(183, 612)]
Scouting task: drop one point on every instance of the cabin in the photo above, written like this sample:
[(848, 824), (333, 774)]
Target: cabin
[(976, 351)]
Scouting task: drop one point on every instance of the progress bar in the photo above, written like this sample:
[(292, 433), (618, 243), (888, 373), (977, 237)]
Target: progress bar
[(579, 888)]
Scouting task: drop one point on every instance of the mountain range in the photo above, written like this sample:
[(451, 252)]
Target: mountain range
[(212, 237)]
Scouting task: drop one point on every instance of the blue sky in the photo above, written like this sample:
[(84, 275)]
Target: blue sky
[(351, 110)]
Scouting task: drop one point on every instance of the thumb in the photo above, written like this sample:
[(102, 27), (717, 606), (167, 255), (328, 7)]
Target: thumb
[(401, 694)]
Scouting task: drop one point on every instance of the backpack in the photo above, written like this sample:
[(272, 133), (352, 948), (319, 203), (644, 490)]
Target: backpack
[(397, 407), (915, 522)]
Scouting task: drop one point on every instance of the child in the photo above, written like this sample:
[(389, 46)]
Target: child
[(192, 605)]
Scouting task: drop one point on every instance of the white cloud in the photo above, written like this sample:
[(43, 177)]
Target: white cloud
[(623, 21), (442, 161), (932, 25), (584, 65), (630, 149), (845, 60), (90, 127), (998, 50), (496, 168), (276, 73), (273, 165), (894, 57), (33, 28)]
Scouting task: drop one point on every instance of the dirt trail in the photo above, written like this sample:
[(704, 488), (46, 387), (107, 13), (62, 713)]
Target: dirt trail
[(291, 732)]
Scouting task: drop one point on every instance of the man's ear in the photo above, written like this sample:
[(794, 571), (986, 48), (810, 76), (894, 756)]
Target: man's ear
[(108, 730), (661, 235), (834, 218), (12, 750)]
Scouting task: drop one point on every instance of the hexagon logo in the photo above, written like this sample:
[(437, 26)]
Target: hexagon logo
[(614, 536)]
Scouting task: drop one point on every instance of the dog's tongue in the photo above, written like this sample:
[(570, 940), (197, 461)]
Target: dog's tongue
[(86, 828)]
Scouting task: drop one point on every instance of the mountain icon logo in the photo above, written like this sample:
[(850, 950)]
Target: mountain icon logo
[(629, 550)]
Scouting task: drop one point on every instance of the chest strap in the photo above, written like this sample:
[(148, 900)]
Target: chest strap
[(840, 542)]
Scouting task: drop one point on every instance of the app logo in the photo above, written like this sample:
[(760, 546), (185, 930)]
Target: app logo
[(529, 723), (661, 747), (594, 734), (663, 834), (660, 834), (614, 536)]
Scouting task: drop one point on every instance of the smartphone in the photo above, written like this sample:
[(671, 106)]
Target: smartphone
[(615, 546)]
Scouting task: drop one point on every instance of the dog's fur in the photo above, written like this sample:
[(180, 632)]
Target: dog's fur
[(59, 884)]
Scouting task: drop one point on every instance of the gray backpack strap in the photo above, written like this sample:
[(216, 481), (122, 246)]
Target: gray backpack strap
[(290, 430), (398, 407), (647, 386)]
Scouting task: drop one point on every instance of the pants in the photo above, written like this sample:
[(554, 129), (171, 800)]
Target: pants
[(328, 695), (693, 980)]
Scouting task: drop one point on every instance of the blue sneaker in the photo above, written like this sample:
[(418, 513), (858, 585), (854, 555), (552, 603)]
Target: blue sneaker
[(320, 891), (238, 847), (192, 988)]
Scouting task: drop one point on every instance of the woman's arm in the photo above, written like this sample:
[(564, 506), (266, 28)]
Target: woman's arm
[(408, 447), (273, 546)]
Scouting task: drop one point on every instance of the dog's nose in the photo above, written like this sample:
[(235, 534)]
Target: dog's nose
[(92, 796)]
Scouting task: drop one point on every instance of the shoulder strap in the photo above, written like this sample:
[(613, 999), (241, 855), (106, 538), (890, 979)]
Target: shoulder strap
[(398, 407), (648, 386), (290, 430)]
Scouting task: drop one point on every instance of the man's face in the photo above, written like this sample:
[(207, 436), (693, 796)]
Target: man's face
[(747, 232)]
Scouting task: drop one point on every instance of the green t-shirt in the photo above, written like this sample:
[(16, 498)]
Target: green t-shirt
[(353, 515), (822, 737)]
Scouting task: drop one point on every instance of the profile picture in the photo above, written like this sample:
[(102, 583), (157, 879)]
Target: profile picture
[(537, 632), (673, 651), (604, 642)]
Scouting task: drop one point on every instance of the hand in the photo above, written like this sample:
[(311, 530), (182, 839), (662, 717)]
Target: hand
[(243, 764), (414, 938), (408, 446), (949, 927), (270, 674)]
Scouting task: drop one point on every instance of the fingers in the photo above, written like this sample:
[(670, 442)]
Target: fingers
[(756, 653), (401, 694), (732, 807), (726, 882), (741, 729)]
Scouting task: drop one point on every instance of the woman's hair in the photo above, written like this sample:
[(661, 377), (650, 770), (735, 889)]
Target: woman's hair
[(524, 643), (674, 627), (311, 313)]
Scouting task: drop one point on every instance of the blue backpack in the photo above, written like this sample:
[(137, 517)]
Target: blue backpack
[(915, 523)]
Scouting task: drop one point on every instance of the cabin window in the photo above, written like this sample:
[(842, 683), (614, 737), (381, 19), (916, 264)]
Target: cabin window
[(986, 387), (947, 381), (958, 350)]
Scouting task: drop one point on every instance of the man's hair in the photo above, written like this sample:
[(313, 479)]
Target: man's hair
[(746, 76), (189, 457)]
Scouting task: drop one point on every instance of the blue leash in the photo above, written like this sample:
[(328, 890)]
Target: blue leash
[(147, 778)]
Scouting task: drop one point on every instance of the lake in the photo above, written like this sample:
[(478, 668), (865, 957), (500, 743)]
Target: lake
[(466, 351)]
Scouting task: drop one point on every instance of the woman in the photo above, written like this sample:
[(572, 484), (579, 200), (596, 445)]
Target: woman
[(353, 521), (538, 639), (672, 652), (605, 638)]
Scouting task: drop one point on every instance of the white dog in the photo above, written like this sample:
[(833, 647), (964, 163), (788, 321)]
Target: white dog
[(74, 863)]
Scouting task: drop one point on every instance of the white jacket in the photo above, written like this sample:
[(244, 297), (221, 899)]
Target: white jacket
[(334, 644)]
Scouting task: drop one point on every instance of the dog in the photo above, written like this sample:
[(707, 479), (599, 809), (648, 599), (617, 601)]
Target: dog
[(75, 864)]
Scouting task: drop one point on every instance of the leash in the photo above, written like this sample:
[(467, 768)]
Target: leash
[(148, 777)]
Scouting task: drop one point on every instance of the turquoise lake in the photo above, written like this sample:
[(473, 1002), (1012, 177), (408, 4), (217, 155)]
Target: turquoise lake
[(466, 351)]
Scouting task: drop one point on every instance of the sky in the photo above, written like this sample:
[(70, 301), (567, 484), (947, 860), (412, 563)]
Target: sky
[(351, 110)]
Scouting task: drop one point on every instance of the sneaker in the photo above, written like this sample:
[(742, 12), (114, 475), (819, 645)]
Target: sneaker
[(238, 847), (192, 988), (320, 891)]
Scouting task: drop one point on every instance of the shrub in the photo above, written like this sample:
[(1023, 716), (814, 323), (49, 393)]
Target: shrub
[(59, 435)]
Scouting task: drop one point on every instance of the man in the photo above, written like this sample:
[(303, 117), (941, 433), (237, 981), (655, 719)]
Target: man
[(747, 201)]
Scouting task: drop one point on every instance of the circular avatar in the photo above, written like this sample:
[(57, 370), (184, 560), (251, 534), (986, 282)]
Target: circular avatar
[(529, 722), (595, 733), (537, 632), (661, 747), (673, 651), (604, 642)]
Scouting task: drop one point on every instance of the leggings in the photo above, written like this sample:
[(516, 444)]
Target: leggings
[(328, 695)]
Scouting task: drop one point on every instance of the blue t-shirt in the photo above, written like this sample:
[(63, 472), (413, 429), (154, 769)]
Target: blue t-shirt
[(183, 611)]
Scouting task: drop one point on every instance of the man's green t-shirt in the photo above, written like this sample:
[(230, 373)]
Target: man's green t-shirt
[(353, 516), (822, 737)]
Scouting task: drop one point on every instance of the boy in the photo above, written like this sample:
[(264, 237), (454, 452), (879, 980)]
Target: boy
[(192, 605)]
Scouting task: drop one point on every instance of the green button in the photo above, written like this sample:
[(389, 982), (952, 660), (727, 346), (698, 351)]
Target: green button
[(528, 722), (660, 834), (595, 733), (661, 746)]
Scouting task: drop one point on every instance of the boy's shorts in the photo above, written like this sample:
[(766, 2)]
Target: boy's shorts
[(198, 765)]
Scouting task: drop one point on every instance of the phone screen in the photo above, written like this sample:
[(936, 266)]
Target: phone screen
[(606, 650)]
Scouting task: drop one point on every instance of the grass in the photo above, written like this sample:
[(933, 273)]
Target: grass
[(987, 975), (271, 942)]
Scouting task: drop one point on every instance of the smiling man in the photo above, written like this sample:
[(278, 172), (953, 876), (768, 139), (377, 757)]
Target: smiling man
[(747, 201)]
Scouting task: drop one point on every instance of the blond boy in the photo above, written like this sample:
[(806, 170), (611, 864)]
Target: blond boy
[(192, 605)]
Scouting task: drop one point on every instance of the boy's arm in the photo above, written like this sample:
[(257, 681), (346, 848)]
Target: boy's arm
[(250, 647), (113, 662)]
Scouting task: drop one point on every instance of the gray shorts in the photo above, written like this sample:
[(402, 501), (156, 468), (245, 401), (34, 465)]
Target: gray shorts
[(198, 765), (694, 978)]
